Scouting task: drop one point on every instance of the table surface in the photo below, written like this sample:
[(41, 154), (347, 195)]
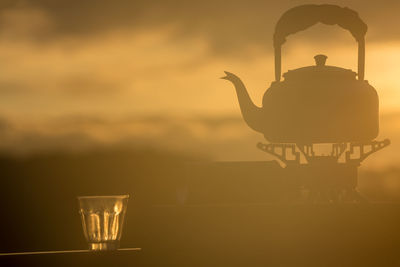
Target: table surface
[(120, 257), (60, 252)]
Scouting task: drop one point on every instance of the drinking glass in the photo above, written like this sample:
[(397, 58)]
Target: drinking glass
[(102, 220)]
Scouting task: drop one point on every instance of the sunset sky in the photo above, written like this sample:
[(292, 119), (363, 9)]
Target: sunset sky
[(110, 70)]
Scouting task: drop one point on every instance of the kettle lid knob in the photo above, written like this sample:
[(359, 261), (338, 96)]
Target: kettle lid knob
[(320, 60)]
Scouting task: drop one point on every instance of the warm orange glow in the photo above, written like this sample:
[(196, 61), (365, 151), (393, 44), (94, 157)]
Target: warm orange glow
[(105, 85)]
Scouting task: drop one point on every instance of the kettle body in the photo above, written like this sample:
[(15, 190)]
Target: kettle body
[(320, 104)]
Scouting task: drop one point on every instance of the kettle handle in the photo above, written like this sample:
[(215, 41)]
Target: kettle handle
[(302, 17)]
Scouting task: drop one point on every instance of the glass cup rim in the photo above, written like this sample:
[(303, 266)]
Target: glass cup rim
[(104, 197)]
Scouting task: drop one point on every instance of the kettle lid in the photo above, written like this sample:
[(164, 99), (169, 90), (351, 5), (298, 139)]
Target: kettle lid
[(320, 70)]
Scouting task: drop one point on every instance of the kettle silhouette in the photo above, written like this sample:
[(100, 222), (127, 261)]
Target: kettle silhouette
[(314, 104)]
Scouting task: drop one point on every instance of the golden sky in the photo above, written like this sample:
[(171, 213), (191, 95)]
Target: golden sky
[(112, 60)]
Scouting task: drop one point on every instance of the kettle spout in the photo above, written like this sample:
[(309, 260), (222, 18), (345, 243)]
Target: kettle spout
[(252, 114)]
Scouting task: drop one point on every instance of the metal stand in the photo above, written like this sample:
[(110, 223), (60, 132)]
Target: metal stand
[(281, 151), (327, 178)]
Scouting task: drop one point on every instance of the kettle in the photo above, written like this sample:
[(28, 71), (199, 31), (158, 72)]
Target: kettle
[(314, 104)]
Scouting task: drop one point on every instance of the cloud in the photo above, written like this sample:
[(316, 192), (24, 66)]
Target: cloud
[(217, 137), (81, 84), (25, 23), (228, 26)]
